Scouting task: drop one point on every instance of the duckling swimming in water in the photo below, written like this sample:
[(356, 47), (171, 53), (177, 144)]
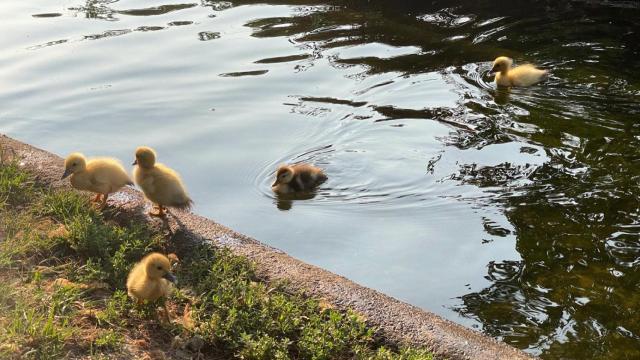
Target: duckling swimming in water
[(159, 183), (297, 177), (151, 279), (101, 176), (523, 75)]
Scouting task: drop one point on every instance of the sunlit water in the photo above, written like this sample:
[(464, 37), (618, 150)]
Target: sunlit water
[(513, 212)]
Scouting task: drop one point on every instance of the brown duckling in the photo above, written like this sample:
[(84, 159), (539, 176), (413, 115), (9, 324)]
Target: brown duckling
[(151, 279), (102, 176), (523, 75), (159, 183), (297, 177)]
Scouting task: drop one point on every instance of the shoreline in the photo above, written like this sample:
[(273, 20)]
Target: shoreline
[(396, 322)]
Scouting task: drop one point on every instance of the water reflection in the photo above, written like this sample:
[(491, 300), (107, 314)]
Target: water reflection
[(577, 234), (515, 209), (96, 9), (285, 201), (501, 95), (156, 10)]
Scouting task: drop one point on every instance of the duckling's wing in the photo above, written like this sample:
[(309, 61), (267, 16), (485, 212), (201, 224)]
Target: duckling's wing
[(306, 178), (108, 172), (106, 180), (100, 179), (526, 75), (173, 190)]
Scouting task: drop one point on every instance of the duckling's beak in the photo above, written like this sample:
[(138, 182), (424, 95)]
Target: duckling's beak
[(276, 182), (494, 70), (135, 162), (67, 172), (169, 276)]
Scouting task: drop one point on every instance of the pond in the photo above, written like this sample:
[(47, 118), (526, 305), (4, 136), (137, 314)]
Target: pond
[(514, 212)]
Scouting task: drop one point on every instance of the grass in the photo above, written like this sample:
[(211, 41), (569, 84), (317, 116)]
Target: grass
[(62, 293)]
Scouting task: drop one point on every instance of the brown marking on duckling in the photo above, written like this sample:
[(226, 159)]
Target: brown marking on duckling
[(101, 176), (523, 75), (160, 184), (296, 178), (151, 279)]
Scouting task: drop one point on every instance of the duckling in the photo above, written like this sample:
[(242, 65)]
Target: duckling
[(523, 75), (151, 279), (297, 177), (101, 176), (159, 183)]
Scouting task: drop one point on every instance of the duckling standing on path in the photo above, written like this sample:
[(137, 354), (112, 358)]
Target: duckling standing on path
[(298, 177), (159, 183), (151, 279), (101, 176), (523, 75)]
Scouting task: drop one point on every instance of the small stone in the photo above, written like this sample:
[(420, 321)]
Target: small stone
[(173, 258), (142, 343), (59, 232), (195, 343), (177, 342), (157, 355)]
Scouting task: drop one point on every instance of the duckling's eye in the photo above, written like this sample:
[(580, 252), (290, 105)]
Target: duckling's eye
[(159, 267)]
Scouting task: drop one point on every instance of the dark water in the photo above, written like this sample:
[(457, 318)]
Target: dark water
[(513, 212)]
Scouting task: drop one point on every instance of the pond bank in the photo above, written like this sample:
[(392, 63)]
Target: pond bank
[(397, 322)]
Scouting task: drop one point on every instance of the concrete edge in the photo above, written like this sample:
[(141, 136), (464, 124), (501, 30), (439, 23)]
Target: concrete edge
[(396, 322)]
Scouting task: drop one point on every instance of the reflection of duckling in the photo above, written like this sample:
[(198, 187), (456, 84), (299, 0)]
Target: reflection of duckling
[(285, 201), (523, 75), (151, 279), (159, 183), (501, 95), (298, 177), (101, 176)]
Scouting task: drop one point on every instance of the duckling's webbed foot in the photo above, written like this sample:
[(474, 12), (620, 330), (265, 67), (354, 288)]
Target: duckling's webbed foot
[(104, 201), (160, 212), (167, 316), (97, 198)]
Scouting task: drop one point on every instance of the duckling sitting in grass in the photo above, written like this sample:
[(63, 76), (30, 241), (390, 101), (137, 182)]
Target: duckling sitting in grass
[(101, 176), (151, 279), (523, 75), (296, 178), (160, 184)]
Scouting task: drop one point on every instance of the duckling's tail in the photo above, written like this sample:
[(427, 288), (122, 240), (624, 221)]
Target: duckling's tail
[(186, 205), (546, 75), (321, 178)]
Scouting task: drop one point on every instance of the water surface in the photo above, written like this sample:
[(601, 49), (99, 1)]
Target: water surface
[(514, 212)]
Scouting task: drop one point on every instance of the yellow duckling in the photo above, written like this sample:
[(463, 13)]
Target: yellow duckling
[(523, 75), (159, 183), (298, 177), (101, 176), (151, 279)]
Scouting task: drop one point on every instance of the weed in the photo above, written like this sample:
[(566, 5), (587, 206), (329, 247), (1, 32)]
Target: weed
[(37, 331), (16, 186), (112, 315), (108, 340)]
